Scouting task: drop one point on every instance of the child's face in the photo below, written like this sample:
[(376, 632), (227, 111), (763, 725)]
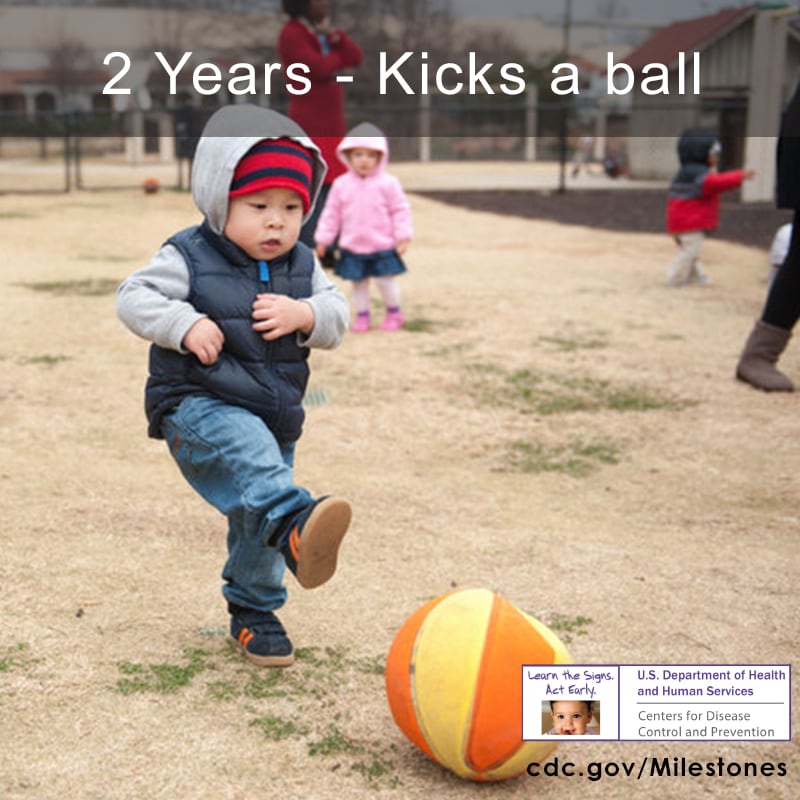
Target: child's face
[(265, 224), (570, 717), (363, 160)]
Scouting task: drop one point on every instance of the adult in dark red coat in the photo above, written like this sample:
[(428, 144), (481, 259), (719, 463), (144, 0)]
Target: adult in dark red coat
[(307, 38), (772, 332)]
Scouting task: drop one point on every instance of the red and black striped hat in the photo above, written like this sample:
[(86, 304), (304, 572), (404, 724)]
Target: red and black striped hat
[(275, 163)]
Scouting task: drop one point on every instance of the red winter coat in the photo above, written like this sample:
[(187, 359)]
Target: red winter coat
[(695, 207), (320, 112)]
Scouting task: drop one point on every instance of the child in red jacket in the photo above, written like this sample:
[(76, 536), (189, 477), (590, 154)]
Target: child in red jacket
[(693, 203)]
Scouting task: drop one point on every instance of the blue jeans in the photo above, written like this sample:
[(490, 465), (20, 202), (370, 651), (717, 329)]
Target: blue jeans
[(231, 458)]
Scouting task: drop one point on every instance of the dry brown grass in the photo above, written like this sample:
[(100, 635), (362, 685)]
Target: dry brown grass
[(681, 548)]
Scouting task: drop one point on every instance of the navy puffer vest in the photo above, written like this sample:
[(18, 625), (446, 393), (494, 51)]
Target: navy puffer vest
[(267, 378)]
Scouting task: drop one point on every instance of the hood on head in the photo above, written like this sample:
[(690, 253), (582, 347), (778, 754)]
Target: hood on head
[(695, 145), (229, 133), (365, 134)]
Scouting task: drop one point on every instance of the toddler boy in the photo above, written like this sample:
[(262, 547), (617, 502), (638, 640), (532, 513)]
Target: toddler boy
[(232, 307)]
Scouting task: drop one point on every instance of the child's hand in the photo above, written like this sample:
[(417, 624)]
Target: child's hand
[(401, 247), (749, 173), (276, 315), (321, 249), (205, 340)]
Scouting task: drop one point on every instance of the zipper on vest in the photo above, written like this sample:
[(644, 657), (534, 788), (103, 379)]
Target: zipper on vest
[(263, 271)]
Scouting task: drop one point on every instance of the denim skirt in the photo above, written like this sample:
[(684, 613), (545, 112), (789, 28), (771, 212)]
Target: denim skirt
[(359, 266)]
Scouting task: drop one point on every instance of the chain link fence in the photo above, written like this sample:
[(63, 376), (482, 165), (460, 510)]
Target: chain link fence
[(105, 150)]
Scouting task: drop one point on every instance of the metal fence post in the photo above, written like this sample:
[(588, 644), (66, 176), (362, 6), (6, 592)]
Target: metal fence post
[(425, 127), (531, 104)]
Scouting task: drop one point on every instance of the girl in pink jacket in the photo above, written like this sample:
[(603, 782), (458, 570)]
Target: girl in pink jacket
[(369, 212)]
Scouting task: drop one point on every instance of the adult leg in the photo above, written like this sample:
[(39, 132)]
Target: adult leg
[(782, 307), (310, 225), (771, 334)]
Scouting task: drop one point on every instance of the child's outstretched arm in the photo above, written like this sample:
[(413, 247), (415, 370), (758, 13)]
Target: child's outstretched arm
[(718, 182)]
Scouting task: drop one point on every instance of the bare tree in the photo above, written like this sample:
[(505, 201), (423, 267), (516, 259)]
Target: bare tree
[(398, 25), (69, 64)]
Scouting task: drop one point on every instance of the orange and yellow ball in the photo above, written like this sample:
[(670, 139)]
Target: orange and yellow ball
[(454, 682)]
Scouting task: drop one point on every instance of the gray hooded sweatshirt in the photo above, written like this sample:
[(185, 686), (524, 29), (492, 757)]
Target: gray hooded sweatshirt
[(153, 301)]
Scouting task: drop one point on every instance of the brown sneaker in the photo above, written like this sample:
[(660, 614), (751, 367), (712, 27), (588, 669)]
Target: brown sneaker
[(310, 542)]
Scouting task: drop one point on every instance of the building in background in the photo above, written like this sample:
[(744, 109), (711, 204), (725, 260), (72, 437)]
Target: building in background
[(749, 64)]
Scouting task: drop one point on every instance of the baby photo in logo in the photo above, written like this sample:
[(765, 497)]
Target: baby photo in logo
[(570, 718)]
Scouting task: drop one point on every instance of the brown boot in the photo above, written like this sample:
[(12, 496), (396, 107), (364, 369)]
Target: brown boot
[(761, 352)]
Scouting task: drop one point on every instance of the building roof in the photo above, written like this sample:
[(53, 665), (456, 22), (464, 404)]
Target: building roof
[(686, 36)]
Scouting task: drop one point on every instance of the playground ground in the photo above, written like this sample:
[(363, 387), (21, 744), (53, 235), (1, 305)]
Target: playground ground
[(554, 424)]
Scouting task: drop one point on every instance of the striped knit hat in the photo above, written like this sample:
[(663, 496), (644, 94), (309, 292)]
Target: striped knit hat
[(272, 164)]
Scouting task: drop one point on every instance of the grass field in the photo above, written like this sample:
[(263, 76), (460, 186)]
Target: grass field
[(554, 424)]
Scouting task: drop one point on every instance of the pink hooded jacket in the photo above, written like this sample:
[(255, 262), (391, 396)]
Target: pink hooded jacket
[(369, 214)]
